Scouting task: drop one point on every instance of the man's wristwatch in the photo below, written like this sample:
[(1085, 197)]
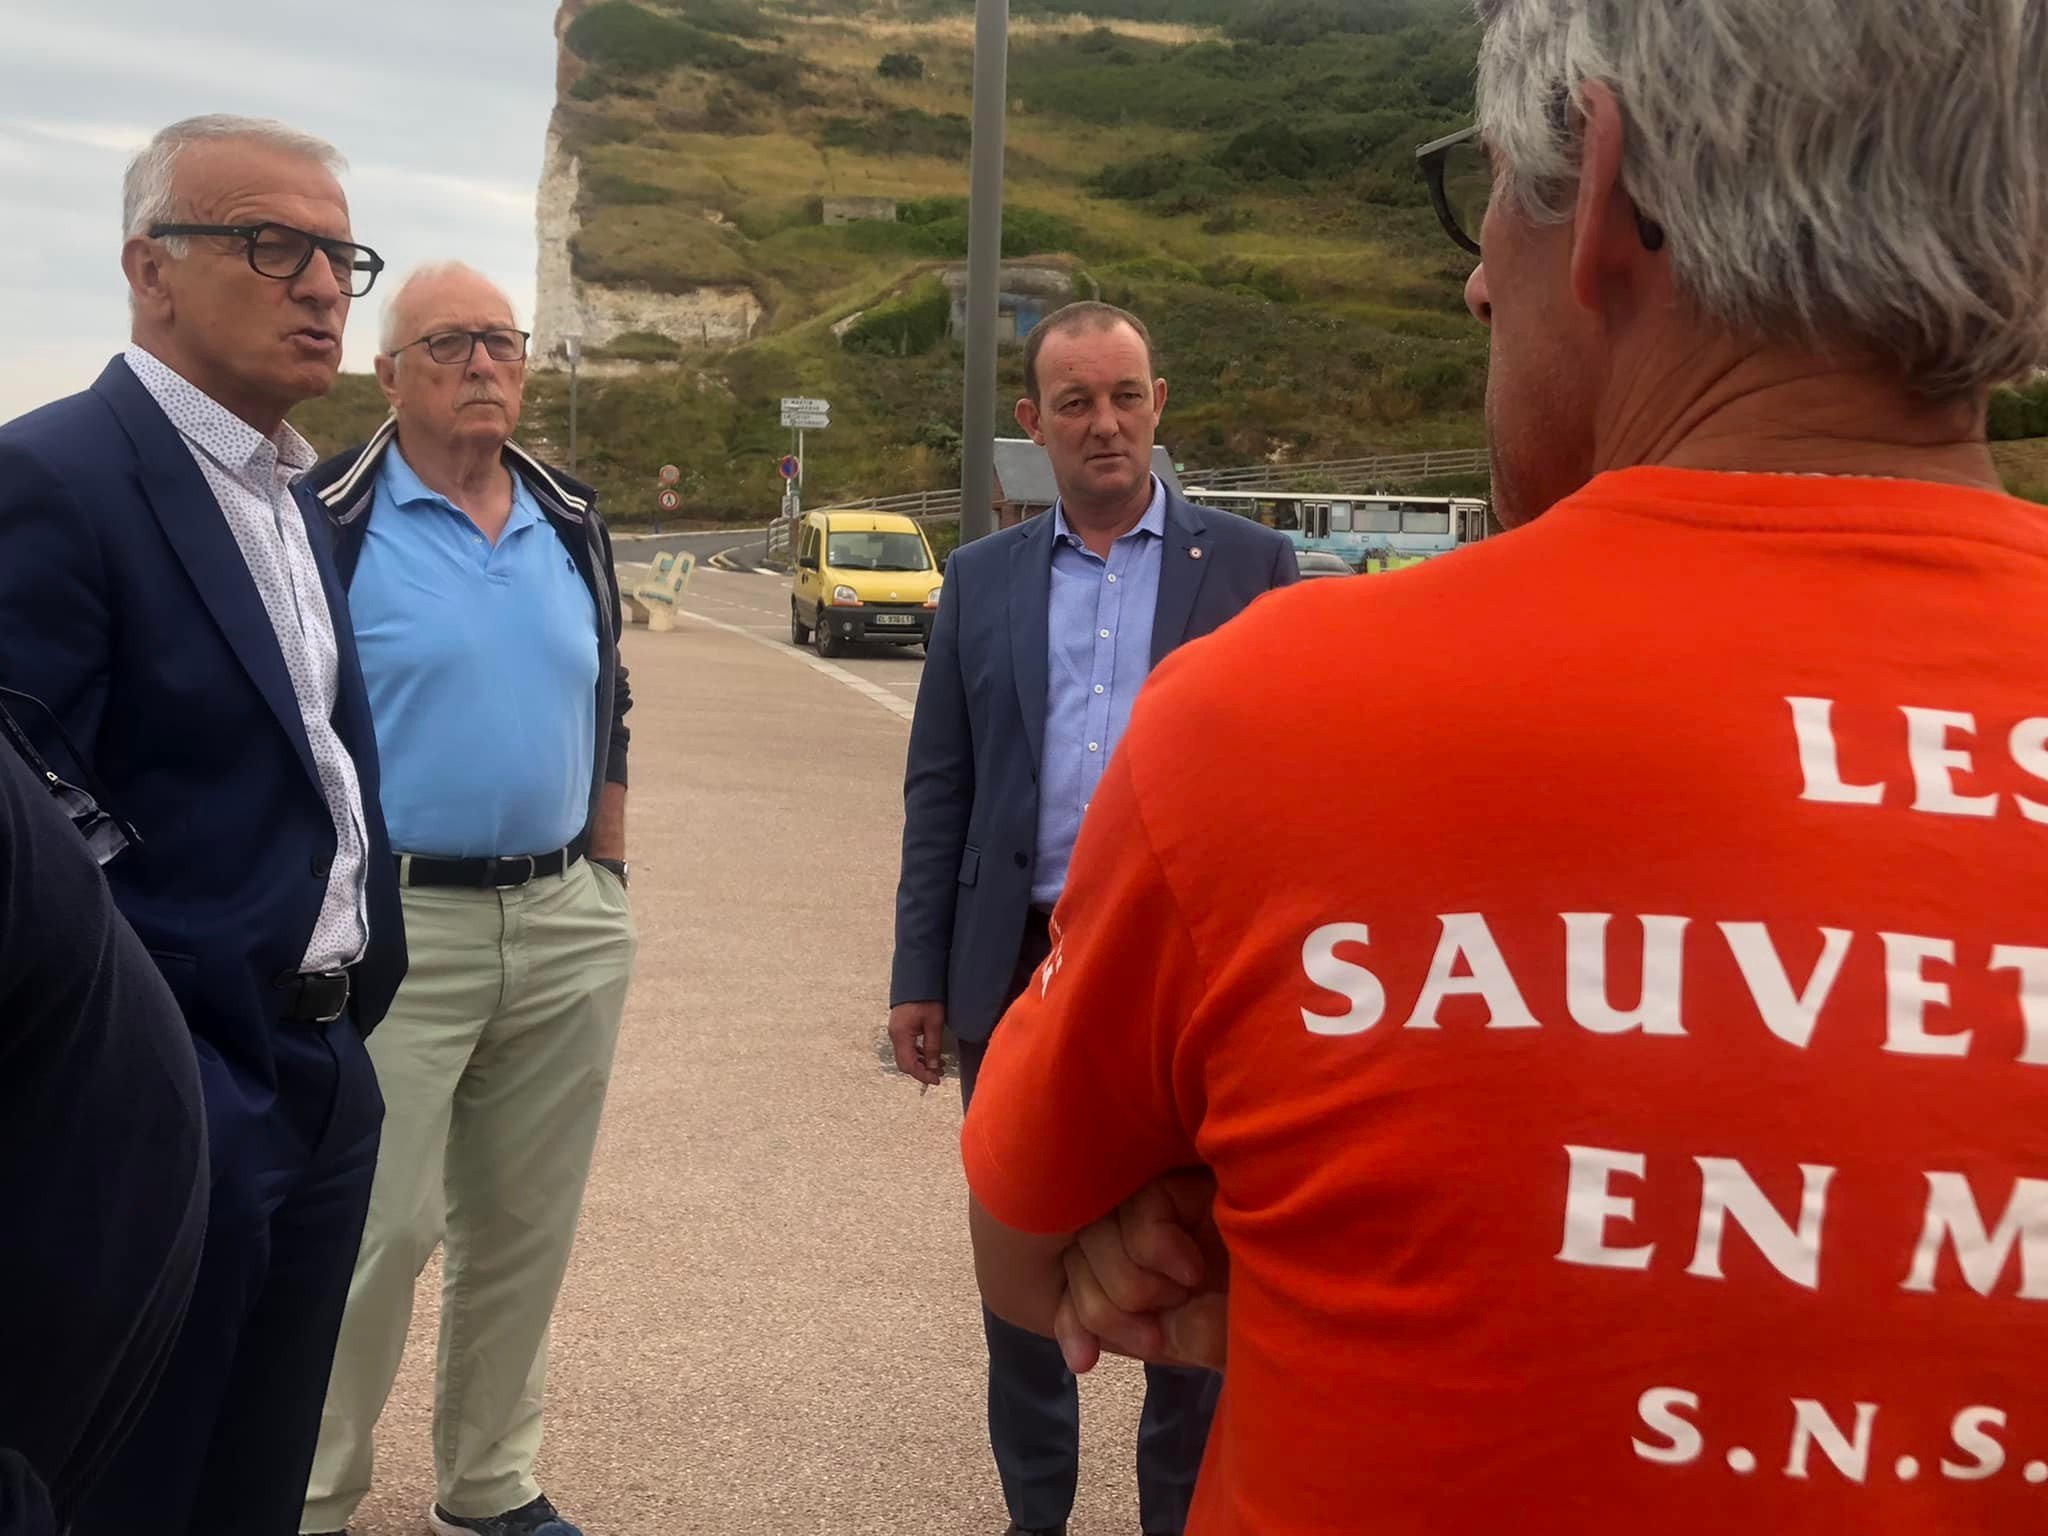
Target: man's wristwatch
[(618, 867)]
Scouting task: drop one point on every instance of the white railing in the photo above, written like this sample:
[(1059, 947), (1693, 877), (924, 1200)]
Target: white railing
[(1380, 472)]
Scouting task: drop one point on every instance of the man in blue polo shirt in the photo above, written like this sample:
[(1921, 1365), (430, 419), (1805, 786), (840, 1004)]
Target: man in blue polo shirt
[(486, 612)]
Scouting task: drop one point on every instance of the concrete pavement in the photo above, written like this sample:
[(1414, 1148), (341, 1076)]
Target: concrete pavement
[(770, 1323)]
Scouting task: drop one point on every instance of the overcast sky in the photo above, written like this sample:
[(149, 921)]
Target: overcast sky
[(441, 107)]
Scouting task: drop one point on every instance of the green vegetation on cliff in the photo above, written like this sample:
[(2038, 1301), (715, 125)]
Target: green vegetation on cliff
[(1240, 173)]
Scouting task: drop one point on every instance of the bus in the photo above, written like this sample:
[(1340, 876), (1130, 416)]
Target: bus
[(1363, 531)]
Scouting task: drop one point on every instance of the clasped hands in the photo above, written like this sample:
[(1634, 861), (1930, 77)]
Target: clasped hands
[(1150, 1280)]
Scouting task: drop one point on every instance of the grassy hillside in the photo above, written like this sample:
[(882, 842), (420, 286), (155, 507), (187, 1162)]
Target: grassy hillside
[(1241, 174)]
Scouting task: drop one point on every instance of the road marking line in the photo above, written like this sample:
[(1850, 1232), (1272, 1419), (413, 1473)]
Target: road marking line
[(903, 709)]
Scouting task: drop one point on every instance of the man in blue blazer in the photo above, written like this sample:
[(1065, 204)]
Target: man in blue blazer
[(1045, 634), (165, 596)]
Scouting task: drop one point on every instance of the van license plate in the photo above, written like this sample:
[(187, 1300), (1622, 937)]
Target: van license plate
[(895, 618)]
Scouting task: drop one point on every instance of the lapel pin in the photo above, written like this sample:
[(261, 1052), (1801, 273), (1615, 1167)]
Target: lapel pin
[(1195, 552)]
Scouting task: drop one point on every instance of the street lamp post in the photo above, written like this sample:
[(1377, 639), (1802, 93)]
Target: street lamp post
[(984, 269), (572, 345)]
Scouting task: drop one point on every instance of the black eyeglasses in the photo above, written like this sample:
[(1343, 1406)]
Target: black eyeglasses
[(501, 345), (105, 834), (1461, 186), (282, 252)]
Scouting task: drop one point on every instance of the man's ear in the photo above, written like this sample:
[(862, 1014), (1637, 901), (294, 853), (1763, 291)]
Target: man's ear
[(1158, 398), (1031, 420), (143, 263), (387, 378), (1607, 244)]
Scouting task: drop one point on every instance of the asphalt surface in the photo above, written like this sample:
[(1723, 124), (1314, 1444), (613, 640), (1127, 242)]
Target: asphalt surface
[(757, 602), (748, 546), (770, 1322)]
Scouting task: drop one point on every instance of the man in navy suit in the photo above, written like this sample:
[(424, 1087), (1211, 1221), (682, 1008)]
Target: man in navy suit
[(162, 592), (1044, 635)]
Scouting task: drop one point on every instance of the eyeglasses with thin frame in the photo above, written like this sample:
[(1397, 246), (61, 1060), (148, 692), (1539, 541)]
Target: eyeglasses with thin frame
[(282, 252), (1460, 182), (501, 344)]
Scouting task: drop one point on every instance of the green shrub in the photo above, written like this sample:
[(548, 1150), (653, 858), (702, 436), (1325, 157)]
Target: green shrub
[(1360, 70), (622, 38), (773, 74), (905, 132), (1444, 385), (2019, 413), (1153, 269), (1167, 183), (900, 66), (943, 439), (1269, 152), (1291, 23), (937, 227), (1253, 279), (1135, 180), (905, 326), (611, 189)]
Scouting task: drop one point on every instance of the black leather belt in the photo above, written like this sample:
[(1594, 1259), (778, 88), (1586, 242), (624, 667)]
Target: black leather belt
[(317, 997), (501, 874)]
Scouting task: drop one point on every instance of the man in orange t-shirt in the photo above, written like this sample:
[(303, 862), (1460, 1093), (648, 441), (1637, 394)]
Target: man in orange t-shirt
[(1649, 1127)]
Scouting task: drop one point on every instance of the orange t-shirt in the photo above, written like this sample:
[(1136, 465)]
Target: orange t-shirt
[(1607, 973)]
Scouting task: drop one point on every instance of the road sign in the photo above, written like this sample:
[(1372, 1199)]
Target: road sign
[(670, 501), (790, 466), (806, 421), (798, 403), (670, 474)]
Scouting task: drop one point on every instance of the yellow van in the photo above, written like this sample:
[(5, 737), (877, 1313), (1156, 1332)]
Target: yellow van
[(862, 576)]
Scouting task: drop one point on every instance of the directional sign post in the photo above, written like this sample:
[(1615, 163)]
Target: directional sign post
[(801, 414)]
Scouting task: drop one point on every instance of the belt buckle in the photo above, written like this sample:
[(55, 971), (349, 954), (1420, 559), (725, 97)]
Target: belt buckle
[(498, 883), (341, 1007)]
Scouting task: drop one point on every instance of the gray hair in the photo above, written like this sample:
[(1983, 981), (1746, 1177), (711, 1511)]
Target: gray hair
[(1863, 172), (149, 191), (389, 338)]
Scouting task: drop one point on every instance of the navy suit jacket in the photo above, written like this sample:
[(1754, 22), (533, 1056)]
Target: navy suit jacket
[(127, 608), (970, 789)]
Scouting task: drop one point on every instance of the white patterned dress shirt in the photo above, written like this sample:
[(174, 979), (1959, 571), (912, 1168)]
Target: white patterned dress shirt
[(251, 477)]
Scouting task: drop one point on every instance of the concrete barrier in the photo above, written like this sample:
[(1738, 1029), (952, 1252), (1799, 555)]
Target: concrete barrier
[(664, 588)]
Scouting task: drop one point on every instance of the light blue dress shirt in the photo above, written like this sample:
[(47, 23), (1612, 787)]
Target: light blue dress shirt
[(481, 662), (1098, 655)]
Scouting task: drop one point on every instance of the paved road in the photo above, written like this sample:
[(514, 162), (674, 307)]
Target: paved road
[(749, 545), (757, 602), (769, 1324)]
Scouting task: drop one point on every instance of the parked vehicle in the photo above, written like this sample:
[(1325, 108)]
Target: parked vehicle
[(1359, 529), (1314, 563), (862, 576)]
